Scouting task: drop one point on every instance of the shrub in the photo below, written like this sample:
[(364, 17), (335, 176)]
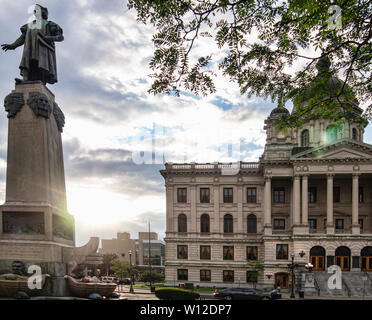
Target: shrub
[(155, 276), (175, 294)]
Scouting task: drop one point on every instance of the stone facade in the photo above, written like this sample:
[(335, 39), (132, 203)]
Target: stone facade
[(310, 192)]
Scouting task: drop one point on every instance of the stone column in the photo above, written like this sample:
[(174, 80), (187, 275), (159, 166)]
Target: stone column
[(330, 225), (267, 210), (193, 208), (305, 197), (169, 210), (216, 202), (239, 227), (296, 200), (355, 227)]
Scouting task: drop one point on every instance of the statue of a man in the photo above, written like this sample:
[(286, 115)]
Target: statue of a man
[(39, 56)]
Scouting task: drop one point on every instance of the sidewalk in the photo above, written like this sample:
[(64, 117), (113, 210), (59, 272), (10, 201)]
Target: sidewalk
[(139, 293)]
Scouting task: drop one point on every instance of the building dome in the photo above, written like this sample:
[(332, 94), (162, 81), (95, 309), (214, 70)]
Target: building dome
[(279, 111), (328, 83)]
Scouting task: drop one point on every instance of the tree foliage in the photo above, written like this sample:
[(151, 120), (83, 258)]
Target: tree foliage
[(256, 267), (270, 48), (120, 268), (107, 260)]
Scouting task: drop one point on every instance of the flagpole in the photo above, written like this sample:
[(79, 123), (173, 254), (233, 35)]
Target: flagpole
[(150, 258)]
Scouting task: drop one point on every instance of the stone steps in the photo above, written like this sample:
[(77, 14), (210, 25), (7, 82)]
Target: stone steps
[(353, 284)]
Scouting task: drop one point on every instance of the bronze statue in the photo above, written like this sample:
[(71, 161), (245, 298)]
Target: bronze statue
[(39, 56)]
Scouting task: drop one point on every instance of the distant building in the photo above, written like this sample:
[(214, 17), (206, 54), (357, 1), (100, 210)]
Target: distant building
[(139, 248)]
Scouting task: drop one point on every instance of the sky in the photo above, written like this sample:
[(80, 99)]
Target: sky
[(113, 125)]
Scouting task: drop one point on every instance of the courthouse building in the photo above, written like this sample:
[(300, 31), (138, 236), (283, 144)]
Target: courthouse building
[(309, 195)]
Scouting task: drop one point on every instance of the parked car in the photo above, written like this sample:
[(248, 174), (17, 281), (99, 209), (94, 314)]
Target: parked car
[(124, 281), (246, 294), (108, 279)]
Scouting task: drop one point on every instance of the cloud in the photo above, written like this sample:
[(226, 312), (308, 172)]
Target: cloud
[(133, 226), (103, 81)]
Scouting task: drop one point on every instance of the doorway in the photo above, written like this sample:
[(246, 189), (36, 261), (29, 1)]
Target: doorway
[(342, 258), (317, 257), (366, 259), (281, 280)]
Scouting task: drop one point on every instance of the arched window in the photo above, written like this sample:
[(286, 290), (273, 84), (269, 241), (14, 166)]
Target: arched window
[(251, 224), (305, 140), (182, 223), (355, 134), (204, 223), (228, 223), (331, 133)]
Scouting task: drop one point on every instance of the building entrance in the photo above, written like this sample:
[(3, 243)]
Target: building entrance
[(342, 258), (317, 257), (366, 259), (281, 280)]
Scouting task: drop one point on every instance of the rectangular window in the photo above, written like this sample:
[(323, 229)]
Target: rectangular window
[(228, 276), (355, 261), (204, 195), (339, 224), (205, 275), (361, 195), (182, 195), (279, 224), (205, 252), (312, 195), (330, 261), (227, 195), (251, 195), (282, 251), (182, 274), (181, 252), (325, 223), (360, 221), (228, 253), (252, 253), (336, 194), (312, 224), (279, 195)]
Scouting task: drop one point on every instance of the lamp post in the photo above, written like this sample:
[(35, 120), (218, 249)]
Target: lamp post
[(131, 272), (292, 267)]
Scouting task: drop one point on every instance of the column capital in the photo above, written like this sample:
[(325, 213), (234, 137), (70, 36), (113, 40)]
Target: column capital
[(356, 175), (305, 175), (330, 175), (268, 178), (296, 177)]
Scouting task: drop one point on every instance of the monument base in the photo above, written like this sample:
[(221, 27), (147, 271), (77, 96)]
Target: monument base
[(44, 254), (35, 227)]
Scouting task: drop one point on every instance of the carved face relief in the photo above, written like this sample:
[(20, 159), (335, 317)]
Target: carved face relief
[(39, 104), (59, 116), (18, 267), (13, 103)]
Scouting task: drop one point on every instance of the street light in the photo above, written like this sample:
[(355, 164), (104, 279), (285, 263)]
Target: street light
[(292, 267), (131, 273), (309, 267)]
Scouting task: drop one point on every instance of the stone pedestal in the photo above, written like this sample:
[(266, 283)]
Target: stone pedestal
[(308, 284), (35, 227)]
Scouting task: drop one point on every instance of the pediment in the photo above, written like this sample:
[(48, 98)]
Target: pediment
[(341, 149)]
